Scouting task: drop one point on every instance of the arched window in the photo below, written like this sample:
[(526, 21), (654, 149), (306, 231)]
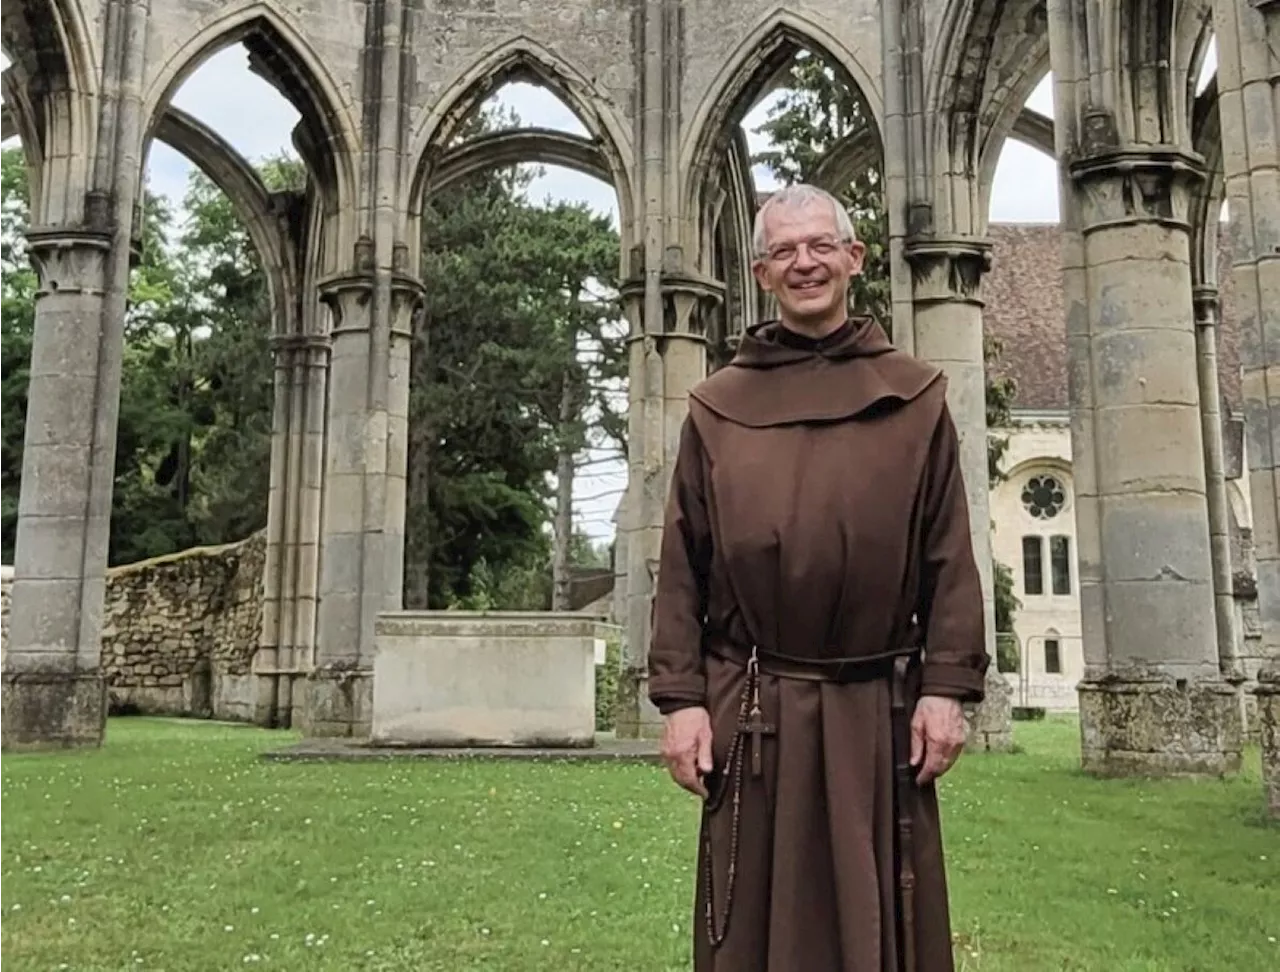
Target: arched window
[(1044, 497)]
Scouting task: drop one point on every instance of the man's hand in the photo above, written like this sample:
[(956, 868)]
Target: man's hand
[(686, 747), (938, 733)]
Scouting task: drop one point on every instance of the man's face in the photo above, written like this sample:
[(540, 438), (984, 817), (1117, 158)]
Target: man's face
[(805, 264)]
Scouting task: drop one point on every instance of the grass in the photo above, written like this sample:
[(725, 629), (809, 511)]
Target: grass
[(176, 848)]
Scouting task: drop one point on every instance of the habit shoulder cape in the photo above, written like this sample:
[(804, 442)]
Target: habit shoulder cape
[(817, 510)]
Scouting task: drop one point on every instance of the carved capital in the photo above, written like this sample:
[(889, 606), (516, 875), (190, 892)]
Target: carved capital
[(1154, 184), (948, 269), (350, 299), (281, 343), (408, 299), (1204, 299), (686, 301), (69, 261)]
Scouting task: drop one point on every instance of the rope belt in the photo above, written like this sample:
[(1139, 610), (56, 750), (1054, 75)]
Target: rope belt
[(894, 665)]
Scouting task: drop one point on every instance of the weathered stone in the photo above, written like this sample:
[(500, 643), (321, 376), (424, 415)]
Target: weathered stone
[(1267, 695), (166, 619), (337, 701), (53, 710), (1160, 727), (457, 678)]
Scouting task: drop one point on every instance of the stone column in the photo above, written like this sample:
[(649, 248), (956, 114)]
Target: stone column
[(292, 569), (1248, 41), (668, 357), (54, 693), (362, 555), (1152, 699), (1206, 319), (947, 313)]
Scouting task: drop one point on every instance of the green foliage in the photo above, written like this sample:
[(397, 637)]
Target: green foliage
[(607, 676), (193, 435), (1050, 869), (520, 313), (17, 323)]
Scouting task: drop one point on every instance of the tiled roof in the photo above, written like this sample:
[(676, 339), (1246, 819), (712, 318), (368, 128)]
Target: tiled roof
[(1025, 309)]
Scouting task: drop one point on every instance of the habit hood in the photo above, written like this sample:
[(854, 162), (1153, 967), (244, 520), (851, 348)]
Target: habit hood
[(780, 377)]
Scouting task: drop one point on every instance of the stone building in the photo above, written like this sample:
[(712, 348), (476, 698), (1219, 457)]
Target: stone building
[(661, 85)]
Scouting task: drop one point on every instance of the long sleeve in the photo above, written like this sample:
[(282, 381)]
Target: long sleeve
[(676, 673), (950, 610)]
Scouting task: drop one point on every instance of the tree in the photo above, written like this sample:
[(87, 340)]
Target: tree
[(17, 324), (193, 434), (570, 257), (512, 362)]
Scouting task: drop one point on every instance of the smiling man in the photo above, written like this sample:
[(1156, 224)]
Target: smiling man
[(818, 622)]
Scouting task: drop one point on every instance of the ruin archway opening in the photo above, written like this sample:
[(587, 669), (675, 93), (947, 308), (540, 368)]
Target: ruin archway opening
[(788, 109), (492, 187)]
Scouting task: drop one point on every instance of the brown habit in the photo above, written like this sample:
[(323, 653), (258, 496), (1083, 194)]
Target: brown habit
[(817, 511)]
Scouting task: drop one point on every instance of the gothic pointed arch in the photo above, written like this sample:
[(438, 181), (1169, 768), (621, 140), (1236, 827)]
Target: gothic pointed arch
[(547, 146), (994, 55), (728, 241), (50, 87), (1206, 204), (327, 136), (765, 51), (523, 59), (263, 213)]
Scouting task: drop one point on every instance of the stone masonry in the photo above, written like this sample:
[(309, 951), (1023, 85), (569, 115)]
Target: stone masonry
[(382, 87), (180, 633)]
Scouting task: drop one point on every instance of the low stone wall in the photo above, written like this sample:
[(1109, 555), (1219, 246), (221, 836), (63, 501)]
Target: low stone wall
[(180, 632)]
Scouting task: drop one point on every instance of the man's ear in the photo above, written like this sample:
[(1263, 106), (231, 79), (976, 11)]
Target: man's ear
[(858, 255), (762, 277)]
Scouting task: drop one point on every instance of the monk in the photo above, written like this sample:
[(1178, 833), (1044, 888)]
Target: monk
[(817, 625)]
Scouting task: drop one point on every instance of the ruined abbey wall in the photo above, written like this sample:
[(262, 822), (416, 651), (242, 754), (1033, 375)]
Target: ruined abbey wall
[(179, 632)]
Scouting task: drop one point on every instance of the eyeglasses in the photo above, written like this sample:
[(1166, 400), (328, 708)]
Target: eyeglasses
[(820, 248)]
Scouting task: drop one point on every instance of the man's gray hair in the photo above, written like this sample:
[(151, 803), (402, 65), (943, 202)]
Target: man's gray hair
[(801, 194)]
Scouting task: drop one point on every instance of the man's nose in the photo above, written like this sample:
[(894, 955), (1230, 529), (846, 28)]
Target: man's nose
[(804, 259)]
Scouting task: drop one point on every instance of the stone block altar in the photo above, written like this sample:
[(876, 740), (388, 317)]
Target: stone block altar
[(462, 678)]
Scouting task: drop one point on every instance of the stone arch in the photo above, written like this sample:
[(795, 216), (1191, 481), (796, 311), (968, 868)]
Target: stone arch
[(252, 201), (775, 40), (522, 58), (1160, 41), (50, 89), (1207, 202), (327, 137), (727, 240), (979, 81), (856, 150), (538, 145), (1238, 507)]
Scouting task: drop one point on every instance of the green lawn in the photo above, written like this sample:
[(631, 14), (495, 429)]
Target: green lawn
[(176, 848)]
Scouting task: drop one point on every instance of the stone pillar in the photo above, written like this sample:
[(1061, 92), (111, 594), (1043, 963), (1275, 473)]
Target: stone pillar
[(668, 357), (1248, 42), (362, 554), (947, 313), (292, 571), (1152, 699), (1206, 319), (54, 693)]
